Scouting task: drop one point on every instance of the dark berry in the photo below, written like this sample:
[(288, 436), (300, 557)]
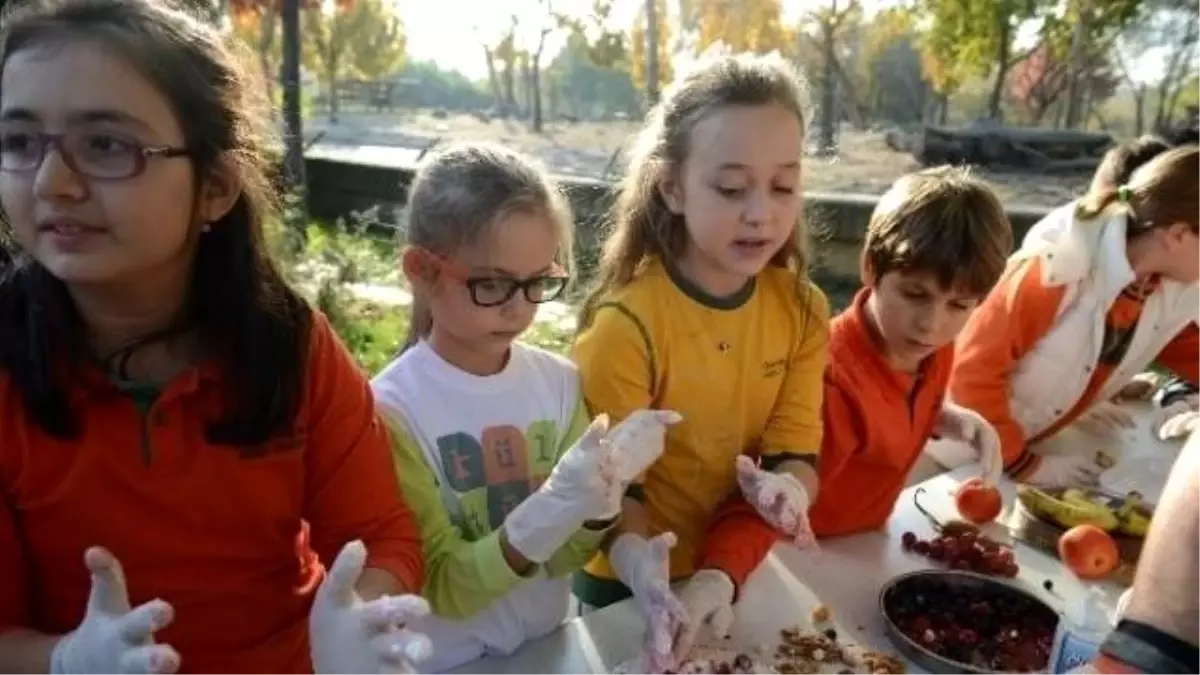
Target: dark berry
[(921, 547), (907, 540), (1048, 585), (831, 634), (742, 662)]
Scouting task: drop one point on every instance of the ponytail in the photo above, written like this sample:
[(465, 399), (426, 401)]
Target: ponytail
[(1160, 193), (420, 322)]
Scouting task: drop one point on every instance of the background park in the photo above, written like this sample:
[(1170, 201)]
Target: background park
[(1031, 92)]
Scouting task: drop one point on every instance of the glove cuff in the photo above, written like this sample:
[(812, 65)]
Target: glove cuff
[(540, 525), (625, 555), (58, 654)]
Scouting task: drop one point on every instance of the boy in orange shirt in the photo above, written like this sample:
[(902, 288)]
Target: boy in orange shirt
[(936, 243)]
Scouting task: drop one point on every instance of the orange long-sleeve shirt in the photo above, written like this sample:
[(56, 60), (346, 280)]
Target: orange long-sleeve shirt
[(877, 420), (1015, 316), (235, 544)]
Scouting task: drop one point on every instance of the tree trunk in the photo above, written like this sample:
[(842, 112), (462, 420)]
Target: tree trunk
[(1004, 41), (265, 42), (827, 141), (1074, 85), (493, 77), (944, 109), (1139, 110), (294, 173), (652, 65)]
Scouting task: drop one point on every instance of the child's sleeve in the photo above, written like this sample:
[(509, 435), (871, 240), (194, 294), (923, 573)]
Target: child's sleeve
[(351, 490), (616, 363), (14, 573), (843, 433), (1017, 313), (1182, 354), (737, 541), (584, 544), (795, 427), (461, 577)]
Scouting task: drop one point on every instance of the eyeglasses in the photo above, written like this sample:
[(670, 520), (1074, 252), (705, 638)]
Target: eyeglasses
[(493, 291), (94, 154)]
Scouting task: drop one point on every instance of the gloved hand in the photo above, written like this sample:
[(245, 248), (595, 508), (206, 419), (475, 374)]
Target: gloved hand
[(1066, 470), (708, 597), (348, 635), (112, 638), (1179, 419), (582, 486), (1140, 388), (644, 566), (965, 425), (779, 498), (638, 441), (588, 482), (1106, 419)]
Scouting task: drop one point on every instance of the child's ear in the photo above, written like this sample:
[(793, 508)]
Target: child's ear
[(219, 191), (671, 191), (416, 266)]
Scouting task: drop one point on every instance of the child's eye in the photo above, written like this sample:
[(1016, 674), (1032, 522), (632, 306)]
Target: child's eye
[(783, 189), (16, 141), (106, 144), (729, 192)]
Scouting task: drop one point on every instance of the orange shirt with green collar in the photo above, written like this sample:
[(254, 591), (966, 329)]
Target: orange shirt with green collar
[(234, 543)]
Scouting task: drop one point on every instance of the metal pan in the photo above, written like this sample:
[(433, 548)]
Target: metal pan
[(917, 653)]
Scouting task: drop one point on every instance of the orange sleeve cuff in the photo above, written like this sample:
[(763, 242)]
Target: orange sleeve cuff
[(401, 560), (737, 542)]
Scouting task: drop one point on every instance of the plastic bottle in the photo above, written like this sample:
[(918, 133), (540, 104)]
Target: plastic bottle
[(1083, 627)]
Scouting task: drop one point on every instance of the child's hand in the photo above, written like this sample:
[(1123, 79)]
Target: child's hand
[(348, 635), (583, 486), (1106, 419), (967, 426), (708, 597), (1140, 388), (113, 638), (639, 440), (779, 498), (1178, 420), (1067, 470), (644, 566)]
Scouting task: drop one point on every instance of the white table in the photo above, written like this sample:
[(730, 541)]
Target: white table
[(847, 573)]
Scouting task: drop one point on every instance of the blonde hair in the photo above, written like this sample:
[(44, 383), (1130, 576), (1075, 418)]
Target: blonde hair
[(1160, 193), (463, 191), (943, 221), (643, 226)]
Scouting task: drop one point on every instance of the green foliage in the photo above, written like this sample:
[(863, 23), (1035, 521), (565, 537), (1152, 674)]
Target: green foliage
[(963, 37), (433, 87), (378, 45)]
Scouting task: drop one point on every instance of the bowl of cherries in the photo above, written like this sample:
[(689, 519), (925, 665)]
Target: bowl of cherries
[(952, 621)]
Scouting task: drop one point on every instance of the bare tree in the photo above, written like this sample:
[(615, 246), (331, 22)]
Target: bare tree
[(652, 19)]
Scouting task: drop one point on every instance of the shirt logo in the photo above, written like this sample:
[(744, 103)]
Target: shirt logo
[(773, 368)]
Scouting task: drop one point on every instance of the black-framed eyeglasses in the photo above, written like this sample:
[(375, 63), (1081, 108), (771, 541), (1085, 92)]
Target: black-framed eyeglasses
[(95, 154), (493, 291)]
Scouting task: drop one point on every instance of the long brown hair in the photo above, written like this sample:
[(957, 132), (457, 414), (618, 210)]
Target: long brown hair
[(1160, 193), (643, 226), (461, 192), (238, 301)]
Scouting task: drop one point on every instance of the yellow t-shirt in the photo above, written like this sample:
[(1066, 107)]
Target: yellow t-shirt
[(745, 372)]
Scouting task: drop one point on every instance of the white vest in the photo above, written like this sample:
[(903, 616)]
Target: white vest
[(538, 391), (1089, 258)]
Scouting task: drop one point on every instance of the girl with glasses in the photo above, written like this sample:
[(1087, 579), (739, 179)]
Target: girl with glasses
[(166, 400), (512, 488)]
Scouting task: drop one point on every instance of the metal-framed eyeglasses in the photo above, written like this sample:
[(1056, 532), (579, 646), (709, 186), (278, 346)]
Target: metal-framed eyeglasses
[(92, 153)]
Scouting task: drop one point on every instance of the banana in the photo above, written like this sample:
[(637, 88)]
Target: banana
[(1133, 522), (1067, 513)]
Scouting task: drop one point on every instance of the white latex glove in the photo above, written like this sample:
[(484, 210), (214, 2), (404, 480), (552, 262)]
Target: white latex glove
[(1066, 470), (779, 498), (112, 638), (1106, 419), (582, 486), (348, 635), (638, 441), (965, 425), (644, 566), (1140, 388), (1177, 420), (708, 597)]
